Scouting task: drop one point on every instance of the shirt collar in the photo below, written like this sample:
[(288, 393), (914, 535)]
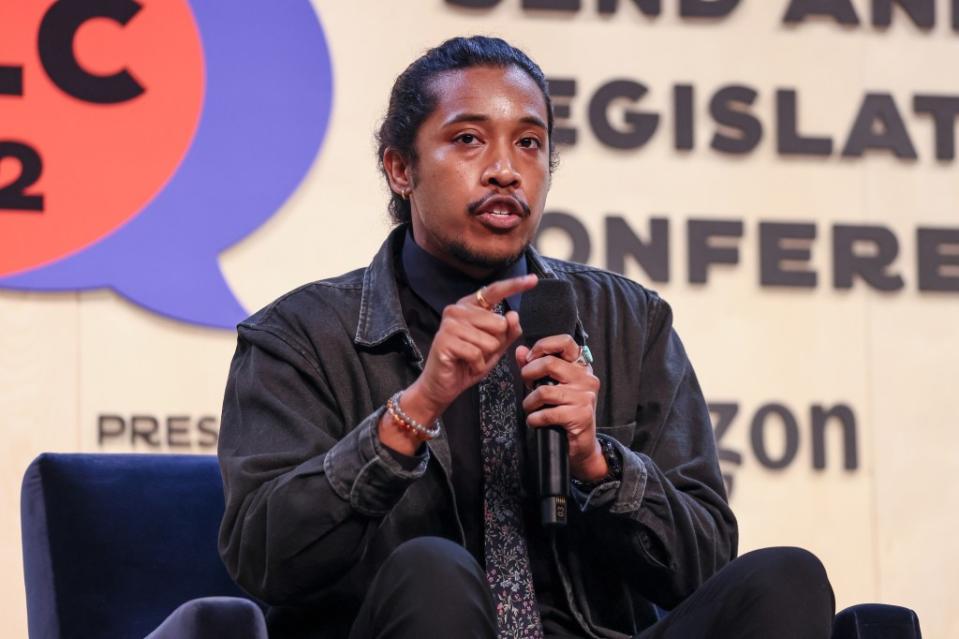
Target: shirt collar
[(440, 285), (380, 313)]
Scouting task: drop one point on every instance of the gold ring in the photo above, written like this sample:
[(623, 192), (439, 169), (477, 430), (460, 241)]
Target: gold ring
[(482, 301)]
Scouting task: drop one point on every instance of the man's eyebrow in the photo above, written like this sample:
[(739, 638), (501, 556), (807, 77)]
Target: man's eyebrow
[(479, 117), (535, 121)]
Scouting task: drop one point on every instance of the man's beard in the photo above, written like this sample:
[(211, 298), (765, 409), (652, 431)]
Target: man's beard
[(465, 255)]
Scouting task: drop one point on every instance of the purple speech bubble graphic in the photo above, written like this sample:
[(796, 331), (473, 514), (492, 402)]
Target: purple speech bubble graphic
[(267, 104)]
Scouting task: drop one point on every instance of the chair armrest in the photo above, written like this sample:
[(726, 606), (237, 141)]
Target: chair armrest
[(213, 617), (876, 621)]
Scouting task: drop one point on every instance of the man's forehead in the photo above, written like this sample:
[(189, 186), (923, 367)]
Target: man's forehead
[(494, 92)]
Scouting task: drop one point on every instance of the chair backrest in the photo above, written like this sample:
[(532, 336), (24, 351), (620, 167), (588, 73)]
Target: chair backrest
[(113, 543)]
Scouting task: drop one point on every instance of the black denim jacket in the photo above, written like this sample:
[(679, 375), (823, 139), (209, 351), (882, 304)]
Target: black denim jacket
[(314, 504)]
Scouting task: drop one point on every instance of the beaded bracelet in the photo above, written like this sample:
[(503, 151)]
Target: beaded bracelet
[(407, 423)]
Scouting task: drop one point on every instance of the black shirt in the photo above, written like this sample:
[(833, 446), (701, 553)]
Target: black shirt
[(426, 286)]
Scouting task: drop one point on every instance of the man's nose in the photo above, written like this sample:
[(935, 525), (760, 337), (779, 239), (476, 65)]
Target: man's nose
[(500, 171)]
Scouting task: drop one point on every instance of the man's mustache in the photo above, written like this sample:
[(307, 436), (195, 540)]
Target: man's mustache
[(474, 207)]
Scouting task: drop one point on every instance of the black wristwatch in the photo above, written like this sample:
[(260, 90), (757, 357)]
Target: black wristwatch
[(614, 467)]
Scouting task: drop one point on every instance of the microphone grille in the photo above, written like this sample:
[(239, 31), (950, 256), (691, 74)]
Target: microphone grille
[(548, 309)]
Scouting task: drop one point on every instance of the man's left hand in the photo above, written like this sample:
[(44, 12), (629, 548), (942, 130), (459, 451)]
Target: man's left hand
[(569, 404)]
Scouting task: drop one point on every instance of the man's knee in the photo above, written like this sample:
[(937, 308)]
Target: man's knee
[(785, 568), (789, 586), (776, 565), (428, 586), (429, 549), (433, 562)]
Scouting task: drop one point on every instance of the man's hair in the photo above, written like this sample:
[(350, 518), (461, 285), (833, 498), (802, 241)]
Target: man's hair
[(412, 99)]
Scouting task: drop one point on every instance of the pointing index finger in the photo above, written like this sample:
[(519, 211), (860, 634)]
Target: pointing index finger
[(498, 291)]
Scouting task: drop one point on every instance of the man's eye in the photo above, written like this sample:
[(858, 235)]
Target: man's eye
[(529, 143), (466, 138)]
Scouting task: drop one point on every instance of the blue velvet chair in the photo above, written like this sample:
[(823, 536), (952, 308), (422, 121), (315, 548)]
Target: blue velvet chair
[(116, 545), (113, 544)]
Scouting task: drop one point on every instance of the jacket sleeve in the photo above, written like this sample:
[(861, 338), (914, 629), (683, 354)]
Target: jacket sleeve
[(304, 491), (666, 524)]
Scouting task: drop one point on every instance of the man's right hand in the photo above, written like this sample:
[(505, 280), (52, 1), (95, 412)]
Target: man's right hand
[(470, 341)]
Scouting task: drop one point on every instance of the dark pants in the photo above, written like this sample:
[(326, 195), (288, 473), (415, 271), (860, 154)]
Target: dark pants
[(431, 587)]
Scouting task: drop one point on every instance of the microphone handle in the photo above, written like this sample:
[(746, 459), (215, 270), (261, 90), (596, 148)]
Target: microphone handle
[(552, 471)]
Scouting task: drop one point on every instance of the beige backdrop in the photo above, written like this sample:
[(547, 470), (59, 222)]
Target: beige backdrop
[(884, 531)]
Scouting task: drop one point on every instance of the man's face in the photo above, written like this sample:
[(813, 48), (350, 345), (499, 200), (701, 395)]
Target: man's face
[(482, 169)]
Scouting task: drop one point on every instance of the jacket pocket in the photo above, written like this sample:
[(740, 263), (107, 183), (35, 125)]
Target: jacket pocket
[(623, 433)]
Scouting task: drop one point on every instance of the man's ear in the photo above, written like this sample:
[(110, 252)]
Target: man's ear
[(399, 172)]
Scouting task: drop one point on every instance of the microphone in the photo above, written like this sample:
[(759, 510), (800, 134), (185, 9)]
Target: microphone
[(550, 309)]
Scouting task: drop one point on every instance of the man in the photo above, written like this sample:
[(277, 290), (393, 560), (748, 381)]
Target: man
[(374, 426)]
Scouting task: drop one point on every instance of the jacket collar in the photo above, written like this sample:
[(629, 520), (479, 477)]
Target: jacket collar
[(381, 316)]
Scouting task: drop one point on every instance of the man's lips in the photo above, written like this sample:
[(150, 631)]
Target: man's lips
[(499, 213), (500, 206)]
